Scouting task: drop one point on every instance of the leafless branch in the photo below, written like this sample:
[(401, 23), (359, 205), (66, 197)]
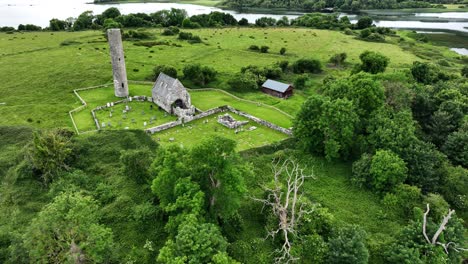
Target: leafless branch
[(439, 231), (285, 203)]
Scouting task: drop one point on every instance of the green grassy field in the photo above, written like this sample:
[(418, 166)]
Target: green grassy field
[(42, 73)]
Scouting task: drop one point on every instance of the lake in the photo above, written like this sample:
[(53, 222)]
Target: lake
[(39, 12)]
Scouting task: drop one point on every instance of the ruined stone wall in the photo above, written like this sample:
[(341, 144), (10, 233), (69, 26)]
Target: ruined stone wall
[(118, 62), (217, 110), (261, 121)]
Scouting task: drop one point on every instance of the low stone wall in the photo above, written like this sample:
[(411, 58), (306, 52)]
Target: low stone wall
[(221, 109), (162, 127), (261, 121)]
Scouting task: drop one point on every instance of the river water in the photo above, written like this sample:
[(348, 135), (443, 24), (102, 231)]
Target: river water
[(39, 12)]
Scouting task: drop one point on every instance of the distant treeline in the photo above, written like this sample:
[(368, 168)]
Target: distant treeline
[(336, 5), (112, 18)]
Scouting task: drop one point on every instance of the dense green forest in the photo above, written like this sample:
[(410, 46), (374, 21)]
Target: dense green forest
[(375, 171)]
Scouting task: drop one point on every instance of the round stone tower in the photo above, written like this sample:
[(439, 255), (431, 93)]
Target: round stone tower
[(118, 62)]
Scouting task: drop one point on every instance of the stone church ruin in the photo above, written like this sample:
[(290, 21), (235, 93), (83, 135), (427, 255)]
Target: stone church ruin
[(171, 95), (118, 62)]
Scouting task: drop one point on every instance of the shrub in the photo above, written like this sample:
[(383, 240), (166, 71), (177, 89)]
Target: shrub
[(403, 199), (264, 49), (243, 82), (185, 35), (189, 37), (135, 34), (170, 31), (307, 65), (424, 72), (387, 170), (464, 71), (166, 69), (136, 163), (243, 22), (300, 82), (348, 32), (364, 22), (272, 72), (187, 23), (254, 48), (50, 152), (195, 39), (364, 33), (283, 65), (348, 245), (376, 37), (373, 62), (282, 51), (381, 172), (338, 59), (198, 74)]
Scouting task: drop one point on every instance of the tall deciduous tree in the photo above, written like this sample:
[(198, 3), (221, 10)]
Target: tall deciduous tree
[(218, 169), (366, 93), (387, 170), (347, 246), (195, 242), (326, 127), (68, 231)]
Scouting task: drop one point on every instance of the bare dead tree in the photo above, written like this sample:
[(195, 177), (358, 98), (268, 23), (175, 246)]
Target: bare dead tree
[(439, 231), (285, 202)]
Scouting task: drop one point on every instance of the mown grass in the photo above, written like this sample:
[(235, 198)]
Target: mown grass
[(194, 132), (210, 99)]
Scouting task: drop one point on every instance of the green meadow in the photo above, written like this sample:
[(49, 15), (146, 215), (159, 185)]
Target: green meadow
[(42, 73)]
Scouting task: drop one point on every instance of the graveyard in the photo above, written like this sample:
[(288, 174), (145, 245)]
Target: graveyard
[(114, 118)]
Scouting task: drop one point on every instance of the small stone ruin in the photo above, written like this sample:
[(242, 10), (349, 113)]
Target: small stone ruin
[(228, 121)]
